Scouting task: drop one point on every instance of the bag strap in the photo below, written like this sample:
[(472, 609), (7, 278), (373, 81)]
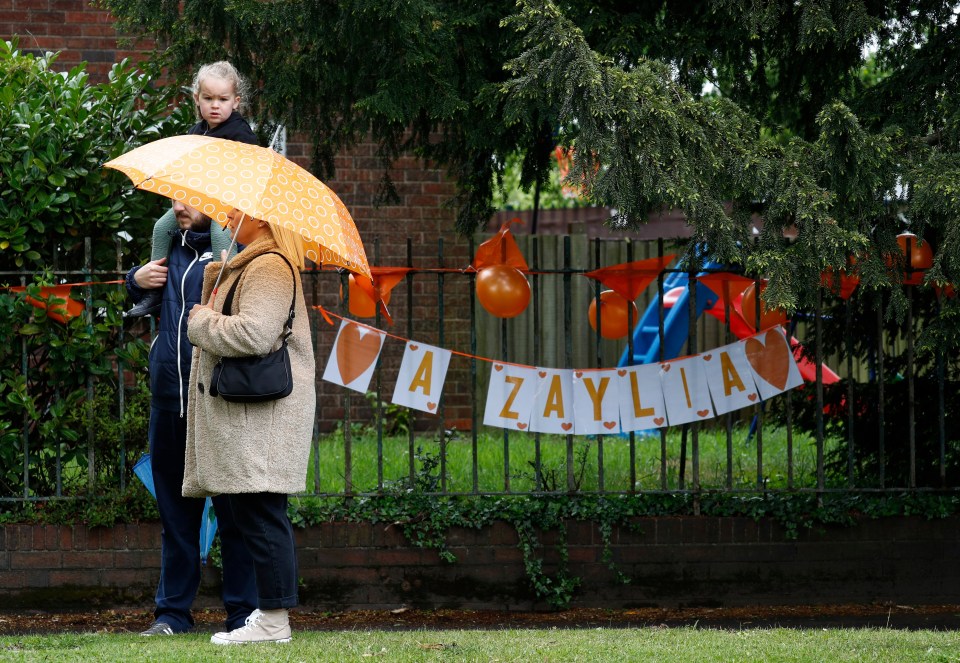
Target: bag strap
[(288, 325)]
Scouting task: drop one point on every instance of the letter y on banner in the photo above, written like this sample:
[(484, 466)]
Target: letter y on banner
[(596, 401), (422, 374), (354, 356)]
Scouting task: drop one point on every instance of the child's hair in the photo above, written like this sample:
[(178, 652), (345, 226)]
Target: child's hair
[(224, 71)]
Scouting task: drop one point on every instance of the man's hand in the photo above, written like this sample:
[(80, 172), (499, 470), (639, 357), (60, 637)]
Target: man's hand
[(152, 275)]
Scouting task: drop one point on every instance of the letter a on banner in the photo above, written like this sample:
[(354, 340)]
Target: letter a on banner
[(641, 398), (772, 362), (510, 396), (685, 391), (354, 356), (596, 401), (730, 378), (553, 407), (422, 374)]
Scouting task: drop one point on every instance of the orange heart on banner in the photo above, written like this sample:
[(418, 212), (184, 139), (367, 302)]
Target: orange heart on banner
[(566, 425), (659, 421), (770, 359), (356, 353)]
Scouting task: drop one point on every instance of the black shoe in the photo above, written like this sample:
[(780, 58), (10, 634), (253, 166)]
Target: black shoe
[(158, 628), (149, 305)]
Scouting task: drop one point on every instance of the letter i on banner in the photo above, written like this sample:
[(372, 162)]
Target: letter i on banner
[(422, 374), (354, 356), (553, 407), (641, 398), (773, 364), (685, 391), (596, 402), (729, 378), (510, 396)]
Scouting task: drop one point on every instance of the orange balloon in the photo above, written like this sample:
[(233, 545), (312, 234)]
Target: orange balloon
[(361, 306), (768, 317), (920, 255), (614, 322), (503, 290)]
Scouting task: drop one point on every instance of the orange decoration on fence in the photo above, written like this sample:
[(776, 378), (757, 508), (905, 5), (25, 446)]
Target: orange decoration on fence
[(768, 317), (629, 279), (61, 312), (501, 249), (614, 317), (360, 303), (844, 286), (364, 296), (503, 290), (917, 257)]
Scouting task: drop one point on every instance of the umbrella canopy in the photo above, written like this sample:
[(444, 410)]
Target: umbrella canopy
[(215, 176)]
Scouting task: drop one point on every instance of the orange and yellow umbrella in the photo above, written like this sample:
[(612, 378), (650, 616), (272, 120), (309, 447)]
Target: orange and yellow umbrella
[(215, 176)]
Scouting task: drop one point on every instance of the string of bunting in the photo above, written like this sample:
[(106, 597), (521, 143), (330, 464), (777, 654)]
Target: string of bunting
[(585, 401)]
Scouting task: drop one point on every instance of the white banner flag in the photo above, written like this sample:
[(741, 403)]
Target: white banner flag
[(730, 378), (685, 391), (553, 407), (641, 398), (596, 402), (422, 374), (510, 396), (354, 356), (773, 363)]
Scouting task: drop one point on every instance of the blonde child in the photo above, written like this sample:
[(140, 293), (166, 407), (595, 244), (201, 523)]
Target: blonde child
[(217, 92)]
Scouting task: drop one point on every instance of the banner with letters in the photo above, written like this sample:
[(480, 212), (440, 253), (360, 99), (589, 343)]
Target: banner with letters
[(583, 401)]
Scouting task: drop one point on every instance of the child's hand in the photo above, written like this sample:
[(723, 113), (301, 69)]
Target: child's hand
[(152, 275), (223, 255)]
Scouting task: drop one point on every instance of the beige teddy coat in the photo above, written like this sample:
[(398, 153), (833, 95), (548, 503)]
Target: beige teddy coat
[(249, 447)]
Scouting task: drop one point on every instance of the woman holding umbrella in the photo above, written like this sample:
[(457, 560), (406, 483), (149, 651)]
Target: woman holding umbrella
[(254, 453)]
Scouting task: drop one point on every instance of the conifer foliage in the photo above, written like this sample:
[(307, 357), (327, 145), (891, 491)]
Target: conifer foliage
[(836, 120)]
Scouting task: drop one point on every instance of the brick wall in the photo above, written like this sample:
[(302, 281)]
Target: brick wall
[(671, 562), (79, 31), (83, 33)]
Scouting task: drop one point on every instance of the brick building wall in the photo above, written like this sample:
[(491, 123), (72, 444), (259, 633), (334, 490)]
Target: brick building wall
[(671, 562), (81, 32)]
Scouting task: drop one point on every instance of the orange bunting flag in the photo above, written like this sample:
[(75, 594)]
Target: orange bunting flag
[(501, 249), (366, 295), (629, 279), (61, 312), (727, 285)]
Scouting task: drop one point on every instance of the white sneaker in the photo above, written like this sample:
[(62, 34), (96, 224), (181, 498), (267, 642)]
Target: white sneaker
[(260, 626)]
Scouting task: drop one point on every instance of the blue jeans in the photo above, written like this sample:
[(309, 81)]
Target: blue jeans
[(268, 534), (180, 539)]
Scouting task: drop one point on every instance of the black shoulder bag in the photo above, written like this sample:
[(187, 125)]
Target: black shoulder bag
[(256, 379)]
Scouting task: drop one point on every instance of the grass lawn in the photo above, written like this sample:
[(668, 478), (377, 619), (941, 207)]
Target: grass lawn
[(640, 644), (499, 456)]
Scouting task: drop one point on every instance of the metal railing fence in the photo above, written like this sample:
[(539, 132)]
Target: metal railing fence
[(888, 425)]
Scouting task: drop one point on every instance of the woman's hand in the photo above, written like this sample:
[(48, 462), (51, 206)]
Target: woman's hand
[(197, 307)]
